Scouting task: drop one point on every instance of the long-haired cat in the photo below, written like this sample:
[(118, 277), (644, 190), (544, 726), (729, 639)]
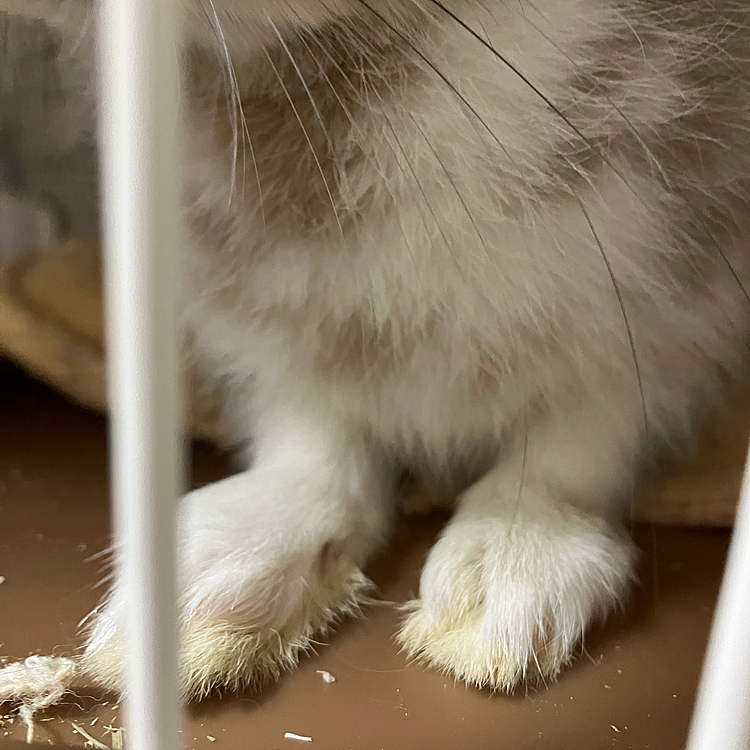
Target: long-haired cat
[(499, 243)]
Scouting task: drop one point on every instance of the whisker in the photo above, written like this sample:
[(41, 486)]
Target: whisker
[(347, 113), (231, 105), (408, 244), (522, 477), (516, 71), (452, 182), (237, 113), (555, 109), (426, 200), (412, 171), (297, 70), (343, 192), (249, 140), (441, 75), (465, 102), (649, 153), (370, 157), (308, 140), (621, 303), (513, 68)]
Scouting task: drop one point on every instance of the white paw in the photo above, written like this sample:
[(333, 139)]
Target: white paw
[(504, 603), (264, 570)]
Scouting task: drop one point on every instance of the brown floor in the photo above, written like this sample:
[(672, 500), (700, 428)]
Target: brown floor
[(632, 688)]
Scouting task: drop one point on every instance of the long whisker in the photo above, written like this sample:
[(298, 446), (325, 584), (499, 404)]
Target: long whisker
[(522, 476), (649, 153), (452, 182), (621, 303), (398, 144), (370, 157), (231, 105), (344, 108), (578, 132), (524, 78), (441, 75), (513, 68), (249, 141), (308, 140), (347, 113), (516, 71), (416, 180), (410, 167), (427, 203), (302, 80), (237, 112)]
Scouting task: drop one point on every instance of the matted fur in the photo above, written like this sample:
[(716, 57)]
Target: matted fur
[(501, 244)]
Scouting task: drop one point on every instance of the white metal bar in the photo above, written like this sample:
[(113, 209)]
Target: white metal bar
[(721, 719), (138, 94)]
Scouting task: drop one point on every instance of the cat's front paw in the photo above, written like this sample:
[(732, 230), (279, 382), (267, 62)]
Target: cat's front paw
[(504, 603), (260, 580), (226, 652)]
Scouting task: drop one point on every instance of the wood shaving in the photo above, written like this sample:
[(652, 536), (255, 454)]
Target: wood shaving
[(92, 741), (298, 737), (327, 676), (36, 683), (116, 734)]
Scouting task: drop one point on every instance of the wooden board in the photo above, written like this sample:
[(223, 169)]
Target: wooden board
[(51, 324)]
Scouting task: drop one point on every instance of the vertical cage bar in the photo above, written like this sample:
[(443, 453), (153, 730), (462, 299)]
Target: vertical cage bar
[(721, 719), (138, 94)]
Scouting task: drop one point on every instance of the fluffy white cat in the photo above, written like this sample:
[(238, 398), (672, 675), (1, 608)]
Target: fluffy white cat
[(503, 245)]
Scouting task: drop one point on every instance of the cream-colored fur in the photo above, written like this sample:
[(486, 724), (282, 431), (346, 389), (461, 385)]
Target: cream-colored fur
[(228, 653), (405, 250)]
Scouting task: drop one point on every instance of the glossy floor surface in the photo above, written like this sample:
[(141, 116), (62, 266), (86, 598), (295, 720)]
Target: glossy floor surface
[(632, 687)]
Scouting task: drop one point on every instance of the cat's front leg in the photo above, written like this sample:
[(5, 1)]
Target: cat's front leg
[(269, 559), (531, 557)]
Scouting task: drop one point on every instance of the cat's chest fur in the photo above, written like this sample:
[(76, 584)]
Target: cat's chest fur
[(402, 250)]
